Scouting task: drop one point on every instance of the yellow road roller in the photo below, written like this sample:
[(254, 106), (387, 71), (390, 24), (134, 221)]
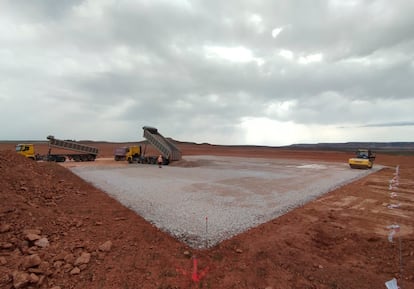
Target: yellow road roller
[(364, 159)]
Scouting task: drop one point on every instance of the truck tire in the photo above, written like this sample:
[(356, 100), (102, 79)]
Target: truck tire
[(60, 159)]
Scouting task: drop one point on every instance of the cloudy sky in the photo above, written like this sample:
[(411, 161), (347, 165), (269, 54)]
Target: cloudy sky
[(223, 72)]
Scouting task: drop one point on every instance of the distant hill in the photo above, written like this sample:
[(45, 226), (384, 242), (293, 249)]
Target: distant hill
[(323, 146), (348, 146), (376, 146)]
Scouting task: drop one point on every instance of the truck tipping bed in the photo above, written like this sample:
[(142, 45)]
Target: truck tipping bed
[(163, 145), (70, 145)]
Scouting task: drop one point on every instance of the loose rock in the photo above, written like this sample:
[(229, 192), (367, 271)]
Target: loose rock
[(75, 271), (67, 267), (20, 279), (42, 243), (58, 264), (106, 247), (84, 258), (3, 260), (5, 228), (32, 231), (31, 261), (69, 258), (32, 237), (33, 278), (6, 245)]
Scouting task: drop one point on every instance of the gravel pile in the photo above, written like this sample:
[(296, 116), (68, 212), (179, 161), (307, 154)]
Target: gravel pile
[(223, 196)]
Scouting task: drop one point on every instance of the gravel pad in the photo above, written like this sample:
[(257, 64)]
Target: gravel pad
[(217, 197)]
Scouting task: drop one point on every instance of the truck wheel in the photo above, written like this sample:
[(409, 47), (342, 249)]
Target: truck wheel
[(60, 159)]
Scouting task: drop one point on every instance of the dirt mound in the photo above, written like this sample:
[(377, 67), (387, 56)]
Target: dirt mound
[(51, 231), (33, 224)]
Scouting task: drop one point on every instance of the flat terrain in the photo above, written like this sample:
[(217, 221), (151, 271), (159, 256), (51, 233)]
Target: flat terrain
[(218, 196), (58, 231)]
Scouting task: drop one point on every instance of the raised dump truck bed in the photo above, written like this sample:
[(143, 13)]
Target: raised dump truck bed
[(81, 152), (163, 145), (71, 145), (85, 152)]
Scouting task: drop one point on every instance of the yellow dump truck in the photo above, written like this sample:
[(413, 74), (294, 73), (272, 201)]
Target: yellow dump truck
[(27, 150), (135, 154), (130, 153), (364, 159), (80, 153)]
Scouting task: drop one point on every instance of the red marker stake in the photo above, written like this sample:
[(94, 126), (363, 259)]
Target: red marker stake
[(206, 232), (195, 276)]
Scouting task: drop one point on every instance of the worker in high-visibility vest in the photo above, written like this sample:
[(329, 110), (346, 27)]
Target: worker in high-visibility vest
[(159, 161)]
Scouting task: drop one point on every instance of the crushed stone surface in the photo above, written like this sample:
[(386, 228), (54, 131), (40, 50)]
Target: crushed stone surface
[(218, 197)]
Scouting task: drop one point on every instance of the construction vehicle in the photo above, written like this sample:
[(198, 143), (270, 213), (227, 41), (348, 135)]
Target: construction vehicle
[(364, 159), (167, 148), (84, 152), (135, 154), (130, 153)]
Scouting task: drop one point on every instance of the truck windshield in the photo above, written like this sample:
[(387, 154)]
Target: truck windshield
[(22, 148)]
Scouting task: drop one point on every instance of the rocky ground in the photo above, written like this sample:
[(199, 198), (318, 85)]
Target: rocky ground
[(57, 231)]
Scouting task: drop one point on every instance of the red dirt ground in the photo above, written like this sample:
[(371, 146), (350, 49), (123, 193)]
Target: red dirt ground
[(57, 231)]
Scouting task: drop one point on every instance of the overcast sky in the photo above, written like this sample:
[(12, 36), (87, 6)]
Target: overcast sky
[(222, 72)]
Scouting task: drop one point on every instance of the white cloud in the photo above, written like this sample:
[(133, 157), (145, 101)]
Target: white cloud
[(281, 109), (93, 8), (310, 58), (256, 21), (265, 131), (276, 32), (269, 132), (286, 54), (340, 4), (302, 59), (114, 112), (233, 54)]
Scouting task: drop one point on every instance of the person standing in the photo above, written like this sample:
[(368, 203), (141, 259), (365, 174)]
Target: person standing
[(159, 161)]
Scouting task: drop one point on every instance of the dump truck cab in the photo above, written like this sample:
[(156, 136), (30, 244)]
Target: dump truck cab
[(130, 153), (26, 150), (364, 159)]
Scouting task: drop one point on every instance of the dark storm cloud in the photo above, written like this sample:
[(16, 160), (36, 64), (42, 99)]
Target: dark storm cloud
[(211, 64), (40, 11)]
